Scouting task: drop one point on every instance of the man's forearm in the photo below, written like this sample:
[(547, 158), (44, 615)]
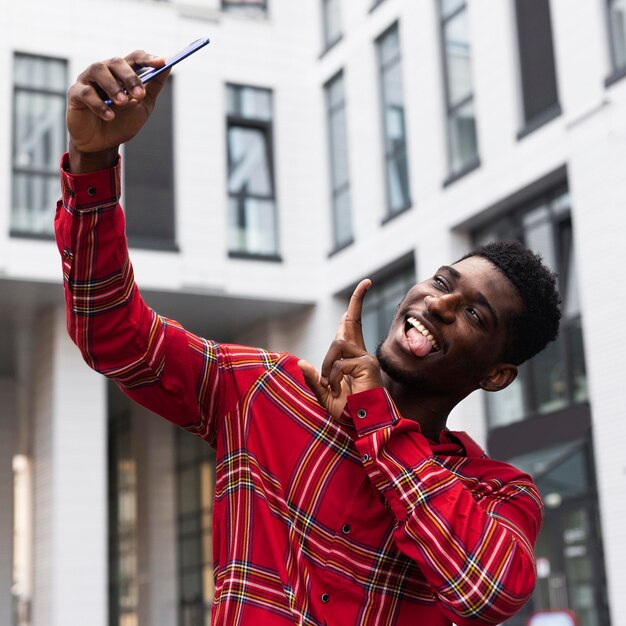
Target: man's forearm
[(86, 162)]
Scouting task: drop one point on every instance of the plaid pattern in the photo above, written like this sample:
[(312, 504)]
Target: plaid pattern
[(357, 522)]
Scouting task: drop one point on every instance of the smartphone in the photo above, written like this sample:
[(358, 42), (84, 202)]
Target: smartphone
[(146, 74)]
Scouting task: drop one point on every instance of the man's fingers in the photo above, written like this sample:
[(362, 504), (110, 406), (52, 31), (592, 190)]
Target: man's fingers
[(311, 376), (339, 349), (350, 327)]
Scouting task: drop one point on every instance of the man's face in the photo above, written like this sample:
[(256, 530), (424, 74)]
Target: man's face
[(449, 330)]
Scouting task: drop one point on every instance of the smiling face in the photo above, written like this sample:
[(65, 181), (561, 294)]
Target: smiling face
[(449, 331)]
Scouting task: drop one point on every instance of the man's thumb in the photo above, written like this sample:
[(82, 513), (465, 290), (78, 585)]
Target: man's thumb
[(311, 376)]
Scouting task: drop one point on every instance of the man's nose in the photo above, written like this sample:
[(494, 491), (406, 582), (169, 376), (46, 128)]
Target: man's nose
[(443, 307)]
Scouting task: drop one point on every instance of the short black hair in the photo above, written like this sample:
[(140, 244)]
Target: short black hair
[(529, 331)]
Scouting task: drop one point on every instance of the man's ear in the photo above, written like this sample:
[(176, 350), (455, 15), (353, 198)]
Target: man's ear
[(499, 377)]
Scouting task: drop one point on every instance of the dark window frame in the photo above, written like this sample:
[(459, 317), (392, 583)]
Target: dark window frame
[(452, 109), (202, 454), (258, 6), (266, 128), (344, 187), (328, 42), (533, 120), (617, 71), (403, 151), (53, 172)]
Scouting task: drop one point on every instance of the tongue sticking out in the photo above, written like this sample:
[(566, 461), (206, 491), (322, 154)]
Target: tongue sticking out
[(419, 345)]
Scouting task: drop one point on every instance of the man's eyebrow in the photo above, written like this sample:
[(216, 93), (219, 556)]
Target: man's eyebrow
[(480, 298)]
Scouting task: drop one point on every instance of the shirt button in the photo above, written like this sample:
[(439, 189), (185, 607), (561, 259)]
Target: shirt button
[(365, 458), (361, 413), (346, 528), (325, 598), (91, 191)]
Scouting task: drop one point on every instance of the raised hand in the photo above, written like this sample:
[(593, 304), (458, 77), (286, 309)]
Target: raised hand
[(97, 130), (348, 367)]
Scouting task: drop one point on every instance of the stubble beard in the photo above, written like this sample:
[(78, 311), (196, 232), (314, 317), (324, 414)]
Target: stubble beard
[(415, 381)]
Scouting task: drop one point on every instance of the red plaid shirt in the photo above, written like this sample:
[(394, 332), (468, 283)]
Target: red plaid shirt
[(357, 522)]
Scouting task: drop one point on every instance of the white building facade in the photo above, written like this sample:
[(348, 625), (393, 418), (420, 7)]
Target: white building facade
[(312, 144)]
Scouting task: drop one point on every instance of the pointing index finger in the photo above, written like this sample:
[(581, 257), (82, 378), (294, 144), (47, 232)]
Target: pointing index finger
[(350, 327)]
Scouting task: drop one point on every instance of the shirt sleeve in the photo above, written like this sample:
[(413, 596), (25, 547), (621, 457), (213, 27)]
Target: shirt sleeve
[(186, 379), (471, 538)]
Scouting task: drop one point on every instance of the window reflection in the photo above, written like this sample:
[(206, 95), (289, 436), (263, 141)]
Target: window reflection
[(459, 91), (252, 211), (39, 139), (397, 178)]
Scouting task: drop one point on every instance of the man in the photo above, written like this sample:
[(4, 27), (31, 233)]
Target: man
[(340, 498)]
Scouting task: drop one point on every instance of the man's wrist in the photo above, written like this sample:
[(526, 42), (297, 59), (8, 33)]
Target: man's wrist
[(86, 162)]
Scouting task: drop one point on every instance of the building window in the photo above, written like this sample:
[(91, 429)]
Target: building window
[(617, 26), (459, 93), (331, 18), (252, 206), (39, 139), (123, 545), (381, 301), (195, 474), (569, 551), (556, 378), (253, 7), (397, 179), (537, 66), (340, 176), (149, 194)]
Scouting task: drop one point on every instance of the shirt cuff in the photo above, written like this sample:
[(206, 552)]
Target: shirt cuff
[(372, 410), (95, 191)]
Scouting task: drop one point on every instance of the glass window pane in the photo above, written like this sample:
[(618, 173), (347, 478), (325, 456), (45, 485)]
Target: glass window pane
[(256, 104), (332, 21), (398, 183), (617, 17), (339, 148), (40, 73), (577, 362), (450, 6), (252, 226), (248, 162), (394, 107), (33, 198), (462, 133), (389, 46), (539, 238), (254, 7), (342, 219), (549, 378), (458, 58), (507, 406), (39, 131)]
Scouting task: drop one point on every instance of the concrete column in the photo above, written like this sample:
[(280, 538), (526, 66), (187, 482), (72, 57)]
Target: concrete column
[(8, 432), (70, 497), (156, 518), (598, 189)]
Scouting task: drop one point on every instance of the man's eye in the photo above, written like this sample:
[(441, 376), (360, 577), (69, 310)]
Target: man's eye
[(474, 313), (440, 283)]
